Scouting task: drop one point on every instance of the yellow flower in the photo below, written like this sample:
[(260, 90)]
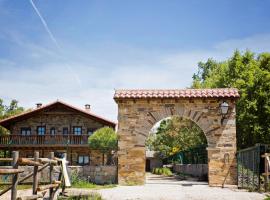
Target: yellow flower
[(174, 150)]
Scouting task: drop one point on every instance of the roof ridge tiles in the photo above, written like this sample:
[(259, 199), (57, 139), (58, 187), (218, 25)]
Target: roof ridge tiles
[(176, 93)]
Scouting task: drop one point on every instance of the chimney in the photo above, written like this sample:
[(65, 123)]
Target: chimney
[(39, 105), (87, 107)]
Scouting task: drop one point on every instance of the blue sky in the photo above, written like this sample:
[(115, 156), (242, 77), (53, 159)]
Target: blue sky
[(102, 45)]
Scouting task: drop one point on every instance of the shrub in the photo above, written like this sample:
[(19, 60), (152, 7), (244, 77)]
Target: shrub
[(162, 171), (74, 177), (167, 172)]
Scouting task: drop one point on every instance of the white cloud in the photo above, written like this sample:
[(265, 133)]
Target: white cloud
[(102, 71), (257, 43)]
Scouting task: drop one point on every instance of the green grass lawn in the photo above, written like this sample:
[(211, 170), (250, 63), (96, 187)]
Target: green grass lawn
[(79, 184), (19, 187), (87, 185)]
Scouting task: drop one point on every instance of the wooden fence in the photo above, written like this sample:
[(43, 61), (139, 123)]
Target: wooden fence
[(39, 164)]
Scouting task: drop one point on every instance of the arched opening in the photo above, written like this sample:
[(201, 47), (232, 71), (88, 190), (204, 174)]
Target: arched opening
[(178, 145)]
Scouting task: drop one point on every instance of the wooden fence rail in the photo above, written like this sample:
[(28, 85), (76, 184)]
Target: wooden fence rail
[(39, 165)]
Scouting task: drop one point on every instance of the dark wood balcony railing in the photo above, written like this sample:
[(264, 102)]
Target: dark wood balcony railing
[(44, 140)]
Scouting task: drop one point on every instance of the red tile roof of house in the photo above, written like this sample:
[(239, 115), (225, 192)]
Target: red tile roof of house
[(6, 122), (176, 93)]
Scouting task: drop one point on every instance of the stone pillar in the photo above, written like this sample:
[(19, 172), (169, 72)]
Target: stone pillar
[(131, 160), (222, 163), (222, 169), (131, 167)]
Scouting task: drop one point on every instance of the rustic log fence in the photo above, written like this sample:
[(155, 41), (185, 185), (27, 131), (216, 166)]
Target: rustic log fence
[(39, 164)]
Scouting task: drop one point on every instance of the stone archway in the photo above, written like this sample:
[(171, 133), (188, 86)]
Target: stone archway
[(139, 110)]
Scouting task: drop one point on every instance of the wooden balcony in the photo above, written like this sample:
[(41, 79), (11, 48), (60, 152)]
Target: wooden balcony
[(14, 140)]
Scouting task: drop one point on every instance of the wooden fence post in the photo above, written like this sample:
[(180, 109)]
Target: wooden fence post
[(35, 176), (64, 184), (51, 176), (15, 156)]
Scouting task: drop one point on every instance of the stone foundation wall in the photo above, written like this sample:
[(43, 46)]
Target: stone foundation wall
[(154, 163), (43, 176), (197, 170), (95, 174)]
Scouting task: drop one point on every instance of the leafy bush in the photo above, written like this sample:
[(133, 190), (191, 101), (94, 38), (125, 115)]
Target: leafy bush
[(167, 172), (162, 171), (104, 140), (74, 177)]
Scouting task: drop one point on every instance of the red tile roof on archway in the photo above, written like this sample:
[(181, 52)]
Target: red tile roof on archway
[(176, 93)]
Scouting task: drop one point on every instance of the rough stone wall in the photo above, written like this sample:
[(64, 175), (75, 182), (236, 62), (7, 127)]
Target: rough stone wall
[(43, 176), (72, 154), (197, 170), (137, 117), (58, 119), (96, 157), (95, 174), (155, 163)]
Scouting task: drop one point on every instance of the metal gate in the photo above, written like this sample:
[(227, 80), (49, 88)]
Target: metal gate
[(250, 166)]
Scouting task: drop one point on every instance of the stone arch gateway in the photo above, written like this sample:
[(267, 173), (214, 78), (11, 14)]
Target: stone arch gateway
[(139, 110)]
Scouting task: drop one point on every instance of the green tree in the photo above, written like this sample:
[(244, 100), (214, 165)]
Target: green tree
[(8, 111), (104, 140), (174, 135), (250, 74)]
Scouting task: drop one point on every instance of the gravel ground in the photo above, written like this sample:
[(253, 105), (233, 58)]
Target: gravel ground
[(162, 188), (165, 188)]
